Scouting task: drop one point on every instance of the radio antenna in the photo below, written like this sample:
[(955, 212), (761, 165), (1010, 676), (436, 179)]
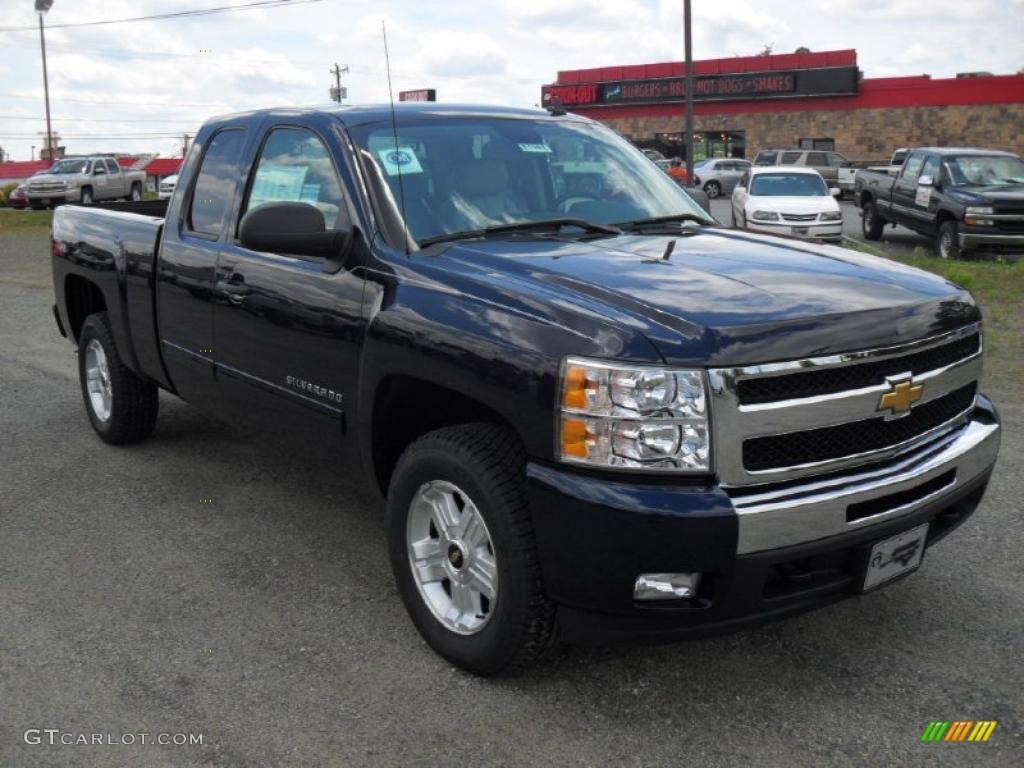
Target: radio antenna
[(394, 132)]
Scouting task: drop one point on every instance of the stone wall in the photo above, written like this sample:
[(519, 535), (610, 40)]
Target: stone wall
[(858, 133)]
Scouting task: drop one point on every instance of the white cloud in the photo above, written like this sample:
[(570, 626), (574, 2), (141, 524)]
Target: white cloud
[(494, 51)]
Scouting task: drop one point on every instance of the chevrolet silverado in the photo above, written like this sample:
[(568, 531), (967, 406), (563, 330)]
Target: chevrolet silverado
[(592, 413)]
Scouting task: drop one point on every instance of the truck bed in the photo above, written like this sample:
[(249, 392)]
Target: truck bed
[(113, 247)]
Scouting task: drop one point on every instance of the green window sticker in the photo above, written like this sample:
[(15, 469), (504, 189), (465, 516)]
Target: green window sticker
[(400, 160), (541, 148)]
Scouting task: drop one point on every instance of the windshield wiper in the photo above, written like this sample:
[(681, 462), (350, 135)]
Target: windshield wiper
[(658, 221), (543, 225)]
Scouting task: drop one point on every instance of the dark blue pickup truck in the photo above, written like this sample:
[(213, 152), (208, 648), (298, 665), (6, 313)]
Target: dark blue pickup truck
[(594, 413)]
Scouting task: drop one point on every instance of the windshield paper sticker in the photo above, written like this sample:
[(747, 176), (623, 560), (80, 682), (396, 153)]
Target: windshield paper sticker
[(401, 160), (924, 194), (543, 148)]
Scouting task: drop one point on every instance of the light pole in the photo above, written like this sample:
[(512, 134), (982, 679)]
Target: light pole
[(689, 91), (42, 6)]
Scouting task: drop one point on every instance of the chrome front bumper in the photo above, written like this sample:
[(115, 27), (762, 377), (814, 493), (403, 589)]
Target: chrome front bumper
[(789, 514), (1009, 241)]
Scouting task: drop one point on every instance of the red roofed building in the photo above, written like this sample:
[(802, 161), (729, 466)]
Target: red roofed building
[(808, 100), (16, 171)]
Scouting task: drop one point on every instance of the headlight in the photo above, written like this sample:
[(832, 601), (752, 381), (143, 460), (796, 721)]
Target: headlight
[(832, 216), (971, 217), (633, 417), (765, 216)]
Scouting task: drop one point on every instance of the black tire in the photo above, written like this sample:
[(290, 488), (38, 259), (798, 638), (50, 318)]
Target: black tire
[(947, 245), (86, 197), (871, 223), (713, 189), (487, 462), (36, 206), (135, 194), (134, 402)]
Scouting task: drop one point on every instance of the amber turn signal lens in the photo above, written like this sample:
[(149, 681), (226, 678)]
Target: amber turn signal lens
[(574, 438), (574, 392)]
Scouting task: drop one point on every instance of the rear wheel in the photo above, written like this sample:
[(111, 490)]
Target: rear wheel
[(871, 223), (463, 552), (713, 189), (947, 244), (121, 406)]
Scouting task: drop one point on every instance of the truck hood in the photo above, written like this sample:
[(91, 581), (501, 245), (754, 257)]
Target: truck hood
[(50, 178), (721, 297), (1007, 195)]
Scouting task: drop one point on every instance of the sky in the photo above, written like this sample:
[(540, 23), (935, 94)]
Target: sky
[(130, 87)]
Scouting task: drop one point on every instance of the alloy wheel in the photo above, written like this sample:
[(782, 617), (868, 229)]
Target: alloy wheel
[(452, 557)]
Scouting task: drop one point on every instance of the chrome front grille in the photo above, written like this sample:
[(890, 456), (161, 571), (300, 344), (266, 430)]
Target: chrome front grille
[(799, 418), (800, 216), (52, 186)]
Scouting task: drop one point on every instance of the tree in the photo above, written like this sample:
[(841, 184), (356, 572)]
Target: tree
[(767, 50), (802, 49)]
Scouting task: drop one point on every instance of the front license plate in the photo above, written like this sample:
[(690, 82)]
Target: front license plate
[(800, 230), (895, 556)]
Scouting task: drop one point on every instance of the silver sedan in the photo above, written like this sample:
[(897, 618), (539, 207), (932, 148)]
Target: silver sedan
[(718, 175)]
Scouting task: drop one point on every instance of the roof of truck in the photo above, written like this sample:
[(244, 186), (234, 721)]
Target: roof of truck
[(371, 113), (961, 151)]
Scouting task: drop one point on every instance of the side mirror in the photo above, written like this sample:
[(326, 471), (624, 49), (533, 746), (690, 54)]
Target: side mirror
[(836, 191), (700, 197), (293, 228), (926, 181)]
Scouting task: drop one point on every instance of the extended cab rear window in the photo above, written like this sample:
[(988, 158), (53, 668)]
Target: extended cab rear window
[(215, 185)]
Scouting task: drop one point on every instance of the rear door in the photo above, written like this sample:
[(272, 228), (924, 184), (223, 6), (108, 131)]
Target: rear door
[(904, 191), (195, 223), (288, 328), (925, 203), (115, 179)]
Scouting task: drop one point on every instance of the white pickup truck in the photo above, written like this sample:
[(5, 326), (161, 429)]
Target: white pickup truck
[(84, 180)]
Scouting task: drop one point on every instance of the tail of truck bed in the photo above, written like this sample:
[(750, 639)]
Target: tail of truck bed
[(104, 260)]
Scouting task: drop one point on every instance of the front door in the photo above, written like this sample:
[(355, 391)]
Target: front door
[(904, 191), (287, 329)]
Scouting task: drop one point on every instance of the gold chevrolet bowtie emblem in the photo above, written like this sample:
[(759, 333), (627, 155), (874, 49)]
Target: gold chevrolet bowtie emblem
[(901, 397)]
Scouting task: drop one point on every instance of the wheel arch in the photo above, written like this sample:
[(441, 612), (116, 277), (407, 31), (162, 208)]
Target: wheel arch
[(82, 297), (406, 407)]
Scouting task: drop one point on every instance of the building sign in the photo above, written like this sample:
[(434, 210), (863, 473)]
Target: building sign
[(832, 81), (423, 94)]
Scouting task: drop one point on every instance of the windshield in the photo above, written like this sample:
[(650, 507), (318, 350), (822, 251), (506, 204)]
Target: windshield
[(788, 185), (69, 166), (994, 170), (466, 174)]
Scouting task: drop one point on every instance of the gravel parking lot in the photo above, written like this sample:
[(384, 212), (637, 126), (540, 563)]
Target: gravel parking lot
[(266, 619)]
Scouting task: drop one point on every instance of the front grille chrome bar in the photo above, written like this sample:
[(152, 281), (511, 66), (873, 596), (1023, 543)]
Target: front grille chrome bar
[(735, 422)]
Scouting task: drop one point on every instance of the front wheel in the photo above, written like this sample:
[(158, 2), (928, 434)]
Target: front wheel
[(713, 189), (871, 223), (947, 242), (136, 194), (121, 406), (463, 552), (86, 198)]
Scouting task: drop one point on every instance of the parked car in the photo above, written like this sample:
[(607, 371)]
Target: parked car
[(596, 417), (837, 170), (967, 200), (166, 187), (18, 198), (718, 175), (787, 201), (85, 180)]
